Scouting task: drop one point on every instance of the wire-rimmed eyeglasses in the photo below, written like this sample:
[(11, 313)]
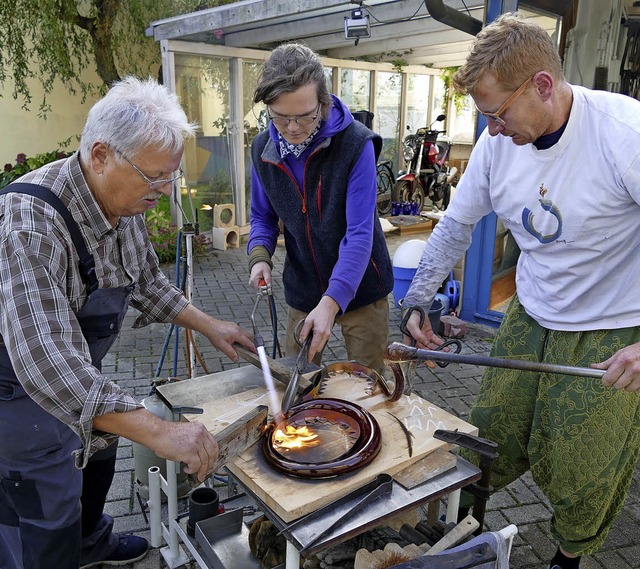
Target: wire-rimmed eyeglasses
[(307, 120), (495, 117), (153, 184)]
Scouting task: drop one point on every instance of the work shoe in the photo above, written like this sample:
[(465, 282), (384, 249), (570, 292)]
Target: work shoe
[(130, 548)]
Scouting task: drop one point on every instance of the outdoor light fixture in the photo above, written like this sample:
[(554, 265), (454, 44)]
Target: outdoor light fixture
[(356, 26)]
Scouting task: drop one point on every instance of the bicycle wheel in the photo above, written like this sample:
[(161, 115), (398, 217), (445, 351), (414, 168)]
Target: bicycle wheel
[(384, 183)]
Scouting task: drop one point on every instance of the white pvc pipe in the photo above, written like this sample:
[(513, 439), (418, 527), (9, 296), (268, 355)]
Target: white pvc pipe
[(155, 507), (453, 503), (292, 557), (172, 503)]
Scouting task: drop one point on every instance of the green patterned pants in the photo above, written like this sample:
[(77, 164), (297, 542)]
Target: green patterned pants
[(580, 440)]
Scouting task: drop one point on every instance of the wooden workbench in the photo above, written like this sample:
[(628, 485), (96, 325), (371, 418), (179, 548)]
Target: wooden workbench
[(228, 395)]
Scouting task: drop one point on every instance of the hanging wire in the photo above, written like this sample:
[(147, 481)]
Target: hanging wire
[(421, 3), (368, 10)]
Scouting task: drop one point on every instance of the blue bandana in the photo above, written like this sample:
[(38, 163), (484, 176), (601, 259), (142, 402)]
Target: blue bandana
[(296, 149)]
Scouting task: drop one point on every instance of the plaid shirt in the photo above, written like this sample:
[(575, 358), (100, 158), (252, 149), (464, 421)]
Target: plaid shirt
[(41, 291)]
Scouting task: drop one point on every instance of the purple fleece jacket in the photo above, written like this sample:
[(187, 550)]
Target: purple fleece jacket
[(355, 247)]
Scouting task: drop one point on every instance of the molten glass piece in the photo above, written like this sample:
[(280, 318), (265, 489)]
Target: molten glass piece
[(342, 437), (294, 437)]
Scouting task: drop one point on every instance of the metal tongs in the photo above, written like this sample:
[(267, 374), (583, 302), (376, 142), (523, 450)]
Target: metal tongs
[(411, 365), (457, 345), (380, 486), (301, 363)]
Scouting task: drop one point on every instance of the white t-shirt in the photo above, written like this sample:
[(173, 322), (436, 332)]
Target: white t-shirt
[(574, 211)]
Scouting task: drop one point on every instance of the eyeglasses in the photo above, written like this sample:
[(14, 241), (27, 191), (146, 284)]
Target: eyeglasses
[(302, 121), (153, 184), (495, 117)]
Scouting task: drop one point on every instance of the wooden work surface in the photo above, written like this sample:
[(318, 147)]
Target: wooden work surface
[(226, 396), (409, 224)]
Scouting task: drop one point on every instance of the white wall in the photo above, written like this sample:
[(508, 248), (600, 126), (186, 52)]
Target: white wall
[(24, 131)]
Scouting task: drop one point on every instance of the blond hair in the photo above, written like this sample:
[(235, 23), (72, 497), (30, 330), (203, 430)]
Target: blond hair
[(512, 49)]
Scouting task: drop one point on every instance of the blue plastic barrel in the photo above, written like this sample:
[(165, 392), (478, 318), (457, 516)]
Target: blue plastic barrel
[(402, 278), (405, 264)]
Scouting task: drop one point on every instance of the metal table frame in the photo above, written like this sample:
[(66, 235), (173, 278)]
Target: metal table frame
[(446, 484)]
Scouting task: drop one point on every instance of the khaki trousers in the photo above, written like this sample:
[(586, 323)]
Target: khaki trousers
[(365, 332)]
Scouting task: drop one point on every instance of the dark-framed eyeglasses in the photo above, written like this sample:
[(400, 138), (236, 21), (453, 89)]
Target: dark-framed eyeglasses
[(495, 117), (306, 120), (153, 184)]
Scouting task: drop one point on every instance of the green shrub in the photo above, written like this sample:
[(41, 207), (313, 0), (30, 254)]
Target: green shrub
[(162, 234), (25, 164)]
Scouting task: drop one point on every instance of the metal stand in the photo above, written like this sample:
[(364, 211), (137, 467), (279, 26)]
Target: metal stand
[(172, 532), (184, 280)]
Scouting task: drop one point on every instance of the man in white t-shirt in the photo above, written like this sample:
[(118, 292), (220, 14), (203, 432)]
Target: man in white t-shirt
[(564, 178)]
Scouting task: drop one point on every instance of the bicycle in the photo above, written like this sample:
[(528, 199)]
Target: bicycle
[(384, 182)]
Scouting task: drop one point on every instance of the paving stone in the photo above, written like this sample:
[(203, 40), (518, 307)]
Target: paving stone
[(591, 562), (500, 500), (539, 541), (612, 560), (118, 508), (631, 554), (494, 520), (527, 514), (521, 493), (617, 539), (523, 556), (122, 486)]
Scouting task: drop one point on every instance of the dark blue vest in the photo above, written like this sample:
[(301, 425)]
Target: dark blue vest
[(314, 217), (102, 314)]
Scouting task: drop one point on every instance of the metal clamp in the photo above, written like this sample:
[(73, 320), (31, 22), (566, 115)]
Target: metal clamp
[(301, 363)]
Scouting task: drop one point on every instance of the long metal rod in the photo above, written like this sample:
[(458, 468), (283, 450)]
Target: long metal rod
[(398, 352)]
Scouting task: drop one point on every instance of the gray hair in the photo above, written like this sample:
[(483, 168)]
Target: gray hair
[(136, 113), (290, 67)]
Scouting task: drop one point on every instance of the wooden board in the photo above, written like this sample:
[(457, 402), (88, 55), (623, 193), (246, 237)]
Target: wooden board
[(426, 468), (409, 224), (291, 498), (222, 412)]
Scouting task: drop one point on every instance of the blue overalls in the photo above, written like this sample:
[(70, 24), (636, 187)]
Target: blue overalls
[(51, 513)]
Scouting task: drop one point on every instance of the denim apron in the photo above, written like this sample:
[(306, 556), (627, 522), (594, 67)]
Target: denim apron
[(50, 511)]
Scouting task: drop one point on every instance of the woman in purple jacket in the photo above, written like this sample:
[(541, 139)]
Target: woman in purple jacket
[(314, 170)]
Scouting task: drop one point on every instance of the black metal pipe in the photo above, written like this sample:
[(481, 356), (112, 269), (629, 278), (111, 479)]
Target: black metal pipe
[(398, 351), (450, 16)]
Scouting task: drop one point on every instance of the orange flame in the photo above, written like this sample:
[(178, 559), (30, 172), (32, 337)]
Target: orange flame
[(295, 437)]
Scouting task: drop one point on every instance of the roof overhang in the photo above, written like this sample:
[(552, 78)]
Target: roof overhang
[(401, 30)]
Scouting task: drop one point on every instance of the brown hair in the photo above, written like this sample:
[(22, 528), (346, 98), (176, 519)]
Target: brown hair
[(290, 67), (512, 49)]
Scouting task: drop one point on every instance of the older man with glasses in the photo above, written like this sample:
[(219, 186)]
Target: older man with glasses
[(314, 170), (74, 254), (560, 165)]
